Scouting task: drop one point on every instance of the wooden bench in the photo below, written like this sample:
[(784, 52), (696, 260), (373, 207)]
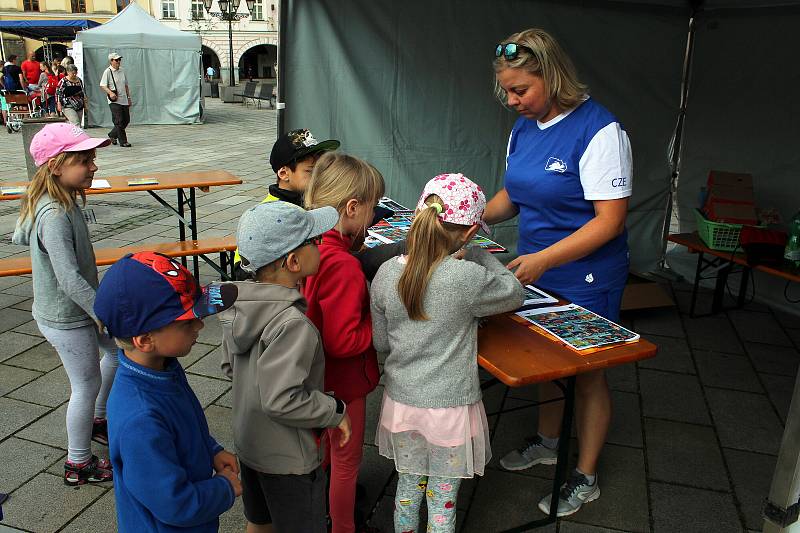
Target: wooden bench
[(249, 92), (224, 246), (265, 95)]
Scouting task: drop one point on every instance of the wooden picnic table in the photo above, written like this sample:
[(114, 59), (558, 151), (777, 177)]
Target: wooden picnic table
[(179, 181), (517, 354), (721, 266)]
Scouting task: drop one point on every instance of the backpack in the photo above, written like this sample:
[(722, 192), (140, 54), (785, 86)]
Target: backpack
[(8, 80)]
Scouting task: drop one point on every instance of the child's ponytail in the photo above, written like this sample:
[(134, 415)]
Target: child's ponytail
[(45, 182), (429, 241)]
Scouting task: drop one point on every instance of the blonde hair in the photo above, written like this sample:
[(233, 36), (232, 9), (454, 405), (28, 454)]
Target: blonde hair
[(45, 182), (429, 241), (338, 178), (548, 61)]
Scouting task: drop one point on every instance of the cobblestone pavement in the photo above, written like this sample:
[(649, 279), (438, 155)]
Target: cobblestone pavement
[(694, 435)]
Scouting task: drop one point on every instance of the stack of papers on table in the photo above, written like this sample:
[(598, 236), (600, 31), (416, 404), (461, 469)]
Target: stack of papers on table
[(100, 184)]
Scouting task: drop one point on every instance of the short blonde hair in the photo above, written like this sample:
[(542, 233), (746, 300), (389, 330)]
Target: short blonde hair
[(338, 178), (548, 61)]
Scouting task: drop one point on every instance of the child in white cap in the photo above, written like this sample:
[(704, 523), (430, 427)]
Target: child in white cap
[(425, 307), (64, 285)]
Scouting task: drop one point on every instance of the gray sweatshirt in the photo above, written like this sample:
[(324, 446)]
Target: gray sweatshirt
[(274, 355), (433, 363), (62, 263)]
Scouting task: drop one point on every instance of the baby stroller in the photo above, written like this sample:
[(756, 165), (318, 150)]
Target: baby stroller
[(19, 106)]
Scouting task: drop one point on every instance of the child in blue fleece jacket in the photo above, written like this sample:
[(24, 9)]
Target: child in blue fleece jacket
[(170, 473)]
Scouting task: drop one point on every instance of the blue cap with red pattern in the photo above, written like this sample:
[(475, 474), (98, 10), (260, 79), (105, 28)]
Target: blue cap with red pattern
[(145, 291)]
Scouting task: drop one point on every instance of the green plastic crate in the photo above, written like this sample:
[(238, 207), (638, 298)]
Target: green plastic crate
[(718, 235)]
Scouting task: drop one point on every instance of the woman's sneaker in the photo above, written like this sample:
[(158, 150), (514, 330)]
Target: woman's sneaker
[(574, 493), (92, 471), (100, 431), (533, 453)]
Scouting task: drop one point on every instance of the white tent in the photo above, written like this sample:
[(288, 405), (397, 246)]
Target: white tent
[(162, 65), (408, 86)]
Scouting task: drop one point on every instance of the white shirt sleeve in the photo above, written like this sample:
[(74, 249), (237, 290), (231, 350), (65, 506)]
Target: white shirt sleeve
[(104, 79), (606, 167)]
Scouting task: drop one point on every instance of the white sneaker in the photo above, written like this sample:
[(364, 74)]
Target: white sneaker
[(574, 493), (533, 453)]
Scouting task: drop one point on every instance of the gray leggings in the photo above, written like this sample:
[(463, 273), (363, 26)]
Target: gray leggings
[(90, 379), (441, 494)]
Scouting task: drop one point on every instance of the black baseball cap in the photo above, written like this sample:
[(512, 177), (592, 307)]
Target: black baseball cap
[(296, 145)]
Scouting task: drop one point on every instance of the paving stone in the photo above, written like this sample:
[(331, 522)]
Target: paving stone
[(794, 334), (787, 320), (373, 412), (374, 474), (759, 327), (233, 519), (209, 365), (575, 527), (512, 430), (220, 425), (7, 300), (623, 378), (726, 371), (780, 390), (7, 529), (665, 321), (197, 353), (234, 200), (12, 378), (42, 357), (207, 389), (100, 517), (51, 389), (773, 359), (504, 500), (51, 429), (673, 355), (11, 318), (626, 420), (712, 333), (25, 508), (17, 414), (11, 281), (751, 474), (211, 332), (29, 328), (22, 289), (673, 397), (226, 400), (24, 305), (22, 459), (692, 510), (752, 425), (14, 343), (685, 454)]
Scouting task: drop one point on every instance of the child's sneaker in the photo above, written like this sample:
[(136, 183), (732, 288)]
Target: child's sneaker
[(574, 493), (533, 453), (100, 431), (92, 471)]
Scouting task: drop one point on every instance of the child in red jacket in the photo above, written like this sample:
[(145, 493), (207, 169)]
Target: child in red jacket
[(338, 305)]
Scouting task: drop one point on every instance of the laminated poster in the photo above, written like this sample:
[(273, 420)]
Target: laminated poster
[(579, 328)]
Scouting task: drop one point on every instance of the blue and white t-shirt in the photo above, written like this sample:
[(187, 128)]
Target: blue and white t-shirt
[(554, 171)]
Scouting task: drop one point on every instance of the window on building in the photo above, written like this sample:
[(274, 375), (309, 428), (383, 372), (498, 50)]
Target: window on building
[(197, 10), (30, 5), (122, 4), (168, 9), (258, 10), (78, 6)]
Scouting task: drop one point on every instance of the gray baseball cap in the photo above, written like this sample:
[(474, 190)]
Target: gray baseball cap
[(271, 230)]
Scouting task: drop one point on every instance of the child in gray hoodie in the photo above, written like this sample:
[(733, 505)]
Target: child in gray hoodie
[(274, 356)]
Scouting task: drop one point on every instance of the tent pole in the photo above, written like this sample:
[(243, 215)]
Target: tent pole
[(677, 139), (2, 48), (280, 105)]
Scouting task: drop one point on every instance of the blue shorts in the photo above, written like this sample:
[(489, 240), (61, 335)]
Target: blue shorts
[(605, 303)]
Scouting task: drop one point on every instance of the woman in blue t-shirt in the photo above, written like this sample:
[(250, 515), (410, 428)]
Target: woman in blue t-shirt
[(568, 177)]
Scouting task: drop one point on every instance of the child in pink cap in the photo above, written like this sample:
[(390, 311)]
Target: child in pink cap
[(64, 283), (425, 307)]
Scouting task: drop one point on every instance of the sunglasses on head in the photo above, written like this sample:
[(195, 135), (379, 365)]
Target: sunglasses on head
[(510, 50)]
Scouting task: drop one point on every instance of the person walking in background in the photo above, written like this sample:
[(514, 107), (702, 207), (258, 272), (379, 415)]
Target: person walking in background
[(115, 85), (71, 99)]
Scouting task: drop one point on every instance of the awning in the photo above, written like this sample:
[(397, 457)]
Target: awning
[(50, 30)]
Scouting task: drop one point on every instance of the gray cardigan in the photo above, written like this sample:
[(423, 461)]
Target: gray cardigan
[(62, 263), (433, 363)]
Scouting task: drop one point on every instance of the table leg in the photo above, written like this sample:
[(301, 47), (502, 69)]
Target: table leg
[(193, 220), (719, 288), (181, 225), (696, 285), (743, 286)]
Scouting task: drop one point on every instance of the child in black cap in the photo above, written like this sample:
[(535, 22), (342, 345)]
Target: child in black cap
[(170, 473)]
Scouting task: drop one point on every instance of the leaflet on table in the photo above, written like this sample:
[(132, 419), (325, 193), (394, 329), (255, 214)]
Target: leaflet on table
[(536, 296), (100, 184), (9, 191), (579, 328)]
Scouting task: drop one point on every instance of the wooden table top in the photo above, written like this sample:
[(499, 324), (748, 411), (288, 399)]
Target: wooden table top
[(693, 242), (202, 179), (518, 354)]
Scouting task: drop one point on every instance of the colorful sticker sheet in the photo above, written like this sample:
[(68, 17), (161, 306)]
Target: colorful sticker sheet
[(579, 328), (394, 229)]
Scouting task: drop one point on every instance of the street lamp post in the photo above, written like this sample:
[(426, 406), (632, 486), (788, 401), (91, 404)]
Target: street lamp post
[(228, 10)]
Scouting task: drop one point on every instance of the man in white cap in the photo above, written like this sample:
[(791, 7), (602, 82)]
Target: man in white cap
[(115, 85)]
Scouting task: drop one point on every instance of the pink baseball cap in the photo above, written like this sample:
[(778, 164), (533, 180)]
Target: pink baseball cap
[(464, 201), (62, 137)]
